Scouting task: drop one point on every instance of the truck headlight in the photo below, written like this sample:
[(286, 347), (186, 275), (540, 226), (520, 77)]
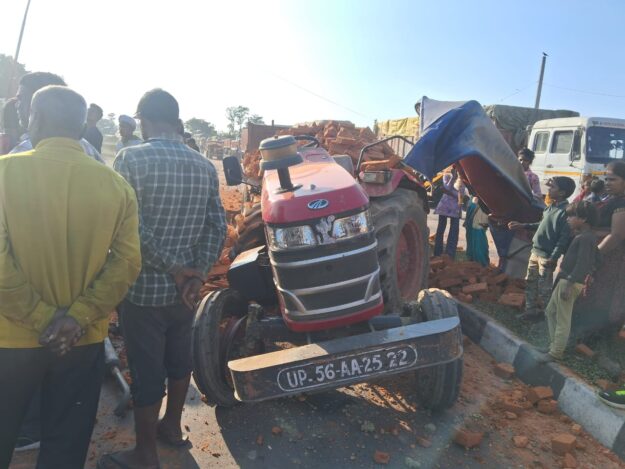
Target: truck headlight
[(351, 226), (291, 237)]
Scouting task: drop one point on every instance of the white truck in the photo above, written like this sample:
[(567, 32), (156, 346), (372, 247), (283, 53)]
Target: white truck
[(578, 147)]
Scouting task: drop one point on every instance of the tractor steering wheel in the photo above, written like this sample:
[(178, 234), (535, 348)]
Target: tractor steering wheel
[(314, 143)]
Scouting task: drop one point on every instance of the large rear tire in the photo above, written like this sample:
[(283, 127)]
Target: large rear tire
[(402, 233), (437, 386), (218, 326)]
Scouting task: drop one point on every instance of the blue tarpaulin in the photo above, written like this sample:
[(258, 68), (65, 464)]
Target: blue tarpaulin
[(452, 131)]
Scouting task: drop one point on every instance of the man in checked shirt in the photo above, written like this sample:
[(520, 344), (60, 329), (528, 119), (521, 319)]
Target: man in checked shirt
[(182, 230)]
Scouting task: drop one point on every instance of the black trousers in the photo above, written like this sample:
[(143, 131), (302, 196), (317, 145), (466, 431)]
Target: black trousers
[(158, 343), (70, 391)]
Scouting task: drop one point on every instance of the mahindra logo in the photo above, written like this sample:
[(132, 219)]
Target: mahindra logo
[(318, 204)]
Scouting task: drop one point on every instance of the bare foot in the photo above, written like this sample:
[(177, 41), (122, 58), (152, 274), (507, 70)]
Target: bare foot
[(171, 434)]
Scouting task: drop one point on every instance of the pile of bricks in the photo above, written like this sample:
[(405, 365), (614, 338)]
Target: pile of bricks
[(337, 137), (469, 281)]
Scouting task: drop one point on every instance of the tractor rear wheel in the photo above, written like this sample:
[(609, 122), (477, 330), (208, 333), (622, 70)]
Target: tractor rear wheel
[(402, 233), (218, 333), (438, 386)]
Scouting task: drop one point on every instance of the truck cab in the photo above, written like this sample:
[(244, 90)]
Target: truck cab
[(577, 147)]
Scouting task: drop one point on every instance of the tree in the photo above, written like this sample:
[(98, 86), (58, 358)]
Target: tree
[(108, 124), (236, 116), (10, 74), (200, 126), (256, 119)]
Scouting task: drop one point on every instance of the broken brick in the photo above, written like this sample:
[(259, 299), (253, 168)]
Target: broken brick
[(380, 457), (472, 280), (510, 415), (563, 443), (569, 461), (475, 288), (437, 263), (260, 440), (467, 439), (606, 385), (504, 370), (510, 405), (464, 298), (547, 406), (576, 429), (539, 393), (423, 442), (516, 300), (497, 279), (276, 431), (521, 441), (449, 282), (585, 350)]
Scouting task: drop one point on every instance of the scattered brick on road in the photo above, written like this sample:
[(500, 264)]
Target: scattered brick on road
[(547, 406), (504, 370), (380, 457), (467, 439), (521, 441), (539, 393), (569, 461), (563, 443)]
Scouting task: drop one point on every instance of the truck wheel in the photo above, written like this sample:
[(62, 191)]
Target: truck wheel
[(438, 386), (402, 233), (218, 331)]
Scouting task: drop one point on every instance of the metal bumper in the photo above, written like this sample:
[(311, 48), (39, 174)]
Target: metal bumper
[(292, 371)]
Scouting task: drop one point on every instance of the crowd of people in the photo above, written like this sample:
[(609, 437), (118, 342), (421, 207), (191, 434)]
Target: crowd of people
[(79, 240)]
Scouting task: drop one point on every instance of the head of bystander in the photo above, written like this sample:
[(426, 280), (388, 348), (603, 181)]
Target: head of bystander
[(581, 216), (560, 188), (158, 114), (28, 86), (56, 111)]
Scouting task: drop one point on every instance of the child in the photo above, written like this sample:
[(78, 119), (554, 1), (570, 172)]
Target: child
[(449, 208), (476, 224), (597, 191), (549, 243), (579, 261)]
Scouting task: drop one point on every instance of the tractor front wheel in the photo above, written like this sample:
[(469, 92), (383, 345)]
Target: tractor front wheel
[(437, 386), (218, 335)]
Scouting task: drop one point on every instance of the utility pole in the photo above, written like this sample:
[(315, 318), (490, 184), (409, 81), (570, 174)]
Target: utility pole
[(540, 81), (17, 51)]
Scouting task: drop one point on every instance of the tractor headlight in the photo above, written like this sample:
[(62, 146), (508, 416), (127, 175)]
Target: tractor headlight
[(351, 226), (291, 237)]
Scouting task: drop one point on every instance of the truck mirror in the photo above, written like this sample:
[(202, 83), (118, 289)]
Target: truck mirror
[(576, 147), (232, 170)]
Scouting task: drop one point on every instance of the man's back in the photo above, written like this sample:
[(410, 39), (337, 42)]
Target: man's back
[(180, 212), (61, 212)]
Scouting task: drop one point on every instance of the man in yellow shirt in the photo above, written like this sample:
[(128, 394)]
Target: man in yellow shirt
[(69, 251)]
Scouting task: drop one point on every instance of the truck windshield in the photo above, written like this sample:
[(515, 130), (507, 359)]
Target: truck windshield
[(605, 144)]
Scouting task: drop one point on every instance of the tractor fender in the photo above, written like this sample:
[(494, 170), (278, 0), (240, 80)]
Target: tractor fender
[(398, 179)]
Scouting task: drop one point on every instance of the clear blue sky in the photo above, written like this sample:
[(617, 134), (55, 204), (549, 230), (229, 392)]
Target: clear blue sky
[(373, 58)]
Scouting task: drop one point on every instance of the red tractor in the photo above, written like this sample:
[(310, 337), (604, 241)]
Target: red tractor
[(324, 296)]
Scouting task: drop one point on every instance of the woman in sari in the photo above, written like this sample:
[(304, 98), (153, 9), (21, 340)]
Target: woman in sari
[(476, 223)]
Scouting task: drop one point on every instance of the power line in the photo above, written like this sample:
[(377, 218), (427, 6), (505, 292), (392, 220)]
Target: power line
[(517, 91), (319, 96), (596, 93)]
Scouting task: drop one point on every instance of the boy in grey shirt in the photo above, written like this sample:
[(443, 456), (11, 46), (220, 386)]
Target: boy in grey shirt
[(579, 261)]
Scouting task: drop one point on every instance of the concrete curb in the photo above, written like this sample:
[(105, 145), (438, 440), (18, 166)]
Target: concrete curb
[(575, 398)]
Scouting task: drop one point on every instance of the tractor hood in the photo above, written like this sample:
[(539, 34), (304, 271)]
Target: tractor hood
[(462, 133), (326, 189)]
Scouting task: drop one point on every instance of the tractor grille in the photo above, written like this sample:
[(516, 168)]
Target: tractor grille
[(328, 281)]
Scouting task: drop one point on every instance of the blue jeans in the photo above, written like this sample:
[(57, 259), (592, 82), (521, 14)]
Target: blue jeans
[(452, 238)]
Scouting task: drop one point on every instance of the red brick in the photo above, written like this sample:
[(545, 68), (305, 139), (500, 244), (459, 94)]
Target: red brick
[(510, 405), (510, 415), (521, 441), (276, 431), (547, 406), (464, 298), (380, 457), (423, 442), (467, 439), (447, 282), (569, 461), (513, 289), (585, 350), (516, 300), (563, 443), (538, 393), (606, 385), (497, 279), (472, 280), (504, 370), (475, 288), (437, 263), (576, 429)]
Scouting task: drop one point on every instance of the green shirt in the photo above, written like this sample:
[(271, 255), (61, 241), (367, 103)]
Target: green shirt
[(552, 233), (68, 238)]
